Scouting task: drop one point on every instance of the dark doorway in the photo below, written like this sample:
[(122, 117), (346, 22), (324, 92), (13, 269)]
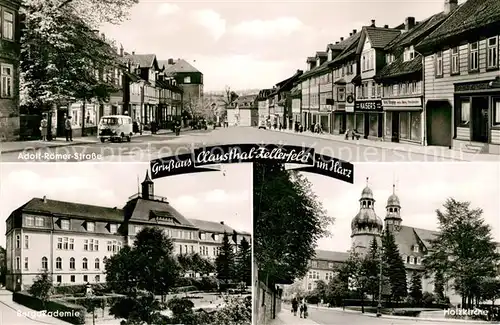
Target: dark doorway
[(395, 127), (61, 117), (343, 122), (439, 123), (366, 131), (479, 115)]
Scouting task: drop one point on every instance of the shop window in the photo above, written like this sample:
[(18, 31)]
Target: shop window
[(465, 114), (492, 52), (388, 124), (496, 112), (373, 120), (403, 126), (474, 56), (415, 126), (439, 64), (455, 61), (360, 123)]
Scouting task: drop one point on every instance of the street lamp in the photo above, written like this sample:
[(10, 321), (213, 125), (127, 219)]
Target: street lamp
[(379, 306)]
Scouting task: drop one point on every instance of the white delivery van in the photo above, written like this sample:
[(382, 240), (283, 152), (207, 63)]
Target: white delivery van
[(115, 127)]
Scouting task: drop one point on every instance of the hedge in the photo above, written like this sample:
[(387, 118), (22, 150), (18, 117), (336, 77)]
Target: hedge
[(70, 313)]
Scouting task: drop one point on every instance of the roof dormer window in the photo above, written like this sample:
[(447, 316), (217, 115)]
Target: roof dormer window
[(90, 226), (412, 260), (389, 58), (416, 249), (409, 53), (64, 224), (113, 228)]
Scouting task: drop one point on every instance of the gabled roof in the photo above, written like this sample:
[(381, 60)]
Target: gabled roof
[(471, 16), (71, 209), (246, 99), (379, 37), (264, 93), (142, 209), (351, 45), (211, 226), (417, 33), (399, 68), (311, 59), (143, 60), (331, 256), (321, 54), (289, 81), (181, 66)]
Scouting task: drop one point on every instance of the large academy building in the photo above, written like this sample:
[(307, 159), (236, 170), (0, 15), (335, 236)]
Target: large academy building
[(71, 241), (413, 243)]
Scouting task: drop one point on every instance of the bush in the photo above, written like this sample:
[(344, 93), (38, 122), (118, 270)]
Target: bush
[(313, 299), (79, 289), (428, 299), (409, 313), (184, 289), (70, 313)]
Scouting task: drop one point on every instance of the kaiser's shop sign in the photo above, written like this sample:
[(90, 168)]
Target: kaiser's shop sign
[(367, 106), (294, 157)]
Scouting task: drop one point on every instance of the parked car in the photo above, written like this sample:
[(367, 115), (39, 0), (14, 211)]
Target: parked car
[(262, 125), (115, 127)]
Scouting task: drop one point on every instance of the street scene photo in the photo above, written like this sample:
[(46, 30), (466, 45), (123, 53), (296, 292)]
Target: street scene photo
[(130, 80), (105, 244), (404, 244)]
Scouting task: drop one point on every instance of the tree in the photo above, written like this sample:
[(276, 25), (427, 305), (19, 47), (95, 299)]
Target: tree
[(294, 290), (439, 287), (42, 287), (463, 251), (394, 268), (244, 262), (236, 311), (371, 264), (355, 271), (122, 272), (490, 289), (61, 52), (225, 261), (137, 309), (3, 266), (229, 97), (416, 287), (182, 311), (288, 222), (320, 290), (337, 289)]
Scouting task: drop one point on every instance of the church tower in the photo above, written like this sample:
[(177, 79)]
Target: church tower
[(148, 189), (366, 225), (393, 212)]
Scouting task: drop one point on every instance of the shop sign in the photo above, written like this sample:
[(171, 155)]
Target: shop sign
[(349, 109), (350, 98), (401, 102), (368, 106)]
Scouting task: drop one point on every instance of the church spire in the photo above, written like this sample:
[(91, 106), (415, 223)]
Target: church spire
[(393, 188), (147, 188), (367, 179)]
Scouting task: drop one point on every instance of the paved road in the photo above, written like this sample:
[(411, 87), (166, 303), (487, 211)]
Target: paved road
[(151, 147), (334, 317)]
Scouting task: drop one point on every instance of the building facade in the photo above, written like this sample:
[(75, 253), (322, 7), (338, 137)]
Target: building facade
[(9, 68), (72, 241), (263, 106), (244, 111)]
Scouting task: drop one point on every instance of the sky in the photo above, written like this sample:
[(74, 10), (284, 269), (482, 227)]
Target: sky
[(253, 44), (208, 196), (422, 188)]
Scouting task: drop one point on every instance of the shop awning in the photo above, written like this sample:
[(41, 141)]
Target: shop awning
[(403, 108)]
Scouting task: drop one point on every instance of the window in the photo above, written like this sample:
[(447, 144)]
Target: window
[(90, 226), (496, 112), (86, 245), (110, 246), (8, 25), (29, 221), (59, 243), (330, 265), (44, 263), (492, 52), (72, 278), (25, 263), (409, 53), (187, 80), (97, 278), (439, 64), (137, 229), (416, 248), (341, 94), (96, 245), (405, 259), (18, 241), (65, 243), (18, 263), (26, 241), (97, 264), (65, 224), (216, 237), (412, 260), (38, 221), (85, 263), (59, 279), (473, 56), (85, 278), (455, 60), (314, 264), (58, 263), (465, 114), (373, 90), (71, 243), (419, 260), (72, 263), (113, 228)]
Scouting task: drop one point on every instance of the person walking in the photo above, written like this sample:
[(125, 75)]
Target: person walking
[(43, 127), (295, 306), (68, 129)]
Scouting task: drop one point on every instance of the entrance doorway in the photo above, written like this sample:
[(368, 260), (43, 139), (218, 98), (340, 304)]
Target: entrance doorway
[(439, 123), (479, 116), (395, 127)]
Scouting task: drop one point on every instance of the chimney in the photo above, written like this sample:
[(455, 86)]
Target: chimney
[(330, 44), (354, 31), (170, 61), (341, 39), (409, 23), (222, 222), (44, 199), (373, 23), (336, 42), (133, 52), (121, 50), (350, 34), (386, 26), (450, 5)]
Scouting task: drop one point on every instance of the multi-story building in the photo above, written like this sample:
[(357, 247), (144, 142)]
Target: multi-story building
[(170, 107), (244, 111), (188, 78), (461, 84), (9, 69), (369, 115), (71, 241), (263, 105), (344, 65), (283, 101), (401, 80), (296, 111), (322, 267)]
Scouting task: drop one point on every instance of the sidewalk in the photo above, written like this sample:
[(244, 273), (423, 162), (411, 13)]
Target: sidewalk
[(438, 151), (286, 317), (19, 146)]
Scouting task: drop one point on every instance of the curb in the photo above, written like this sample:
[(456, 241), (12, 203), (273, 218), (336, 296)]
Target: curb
[(72, 143), (367, 145), (416, 319)]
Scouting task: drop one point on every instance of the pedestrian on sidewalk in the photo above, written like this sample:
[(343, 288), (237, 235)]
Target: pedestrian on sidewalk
[(68, 128), (295, 306), (43, 127)]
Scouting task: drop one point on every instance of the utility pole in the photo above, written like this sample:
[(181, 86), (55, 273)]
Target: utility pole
[(379, 306)]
